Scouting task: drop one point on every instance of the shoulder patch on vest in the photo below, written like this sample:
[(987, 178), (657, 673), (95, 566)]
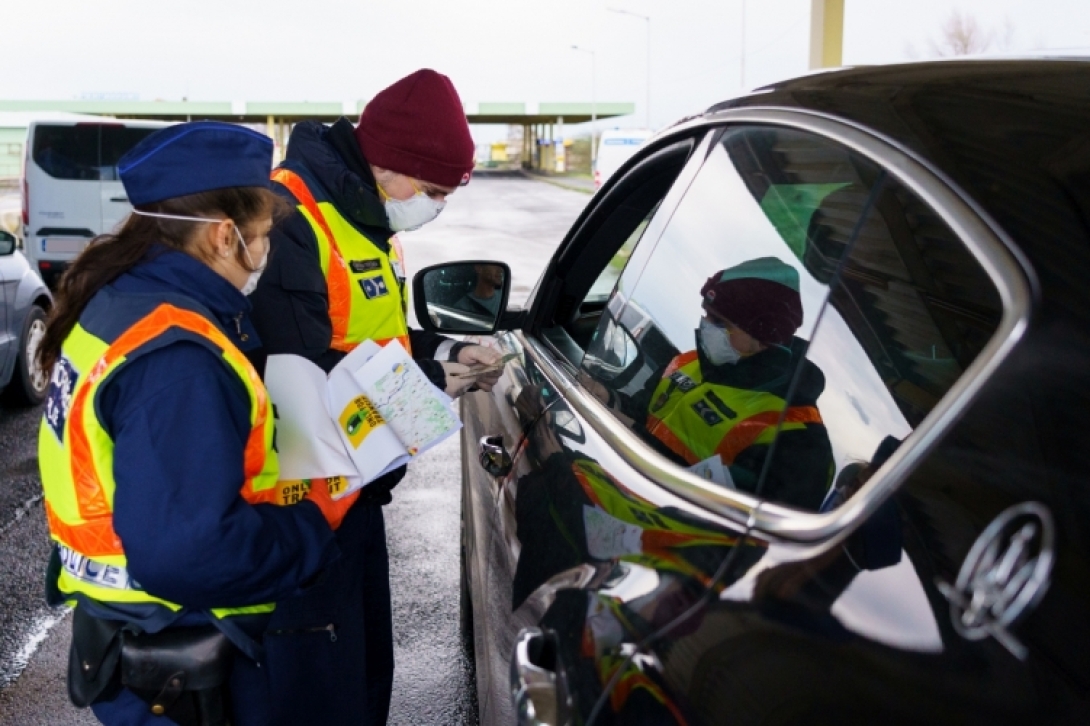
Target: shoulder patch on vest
[(60, 396), (704, 411), (359, 266), (684, 382), (374, 287)]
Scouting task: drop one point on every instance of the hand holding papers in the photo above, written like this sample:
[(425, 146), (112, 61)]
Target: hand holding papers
[(374, 412)]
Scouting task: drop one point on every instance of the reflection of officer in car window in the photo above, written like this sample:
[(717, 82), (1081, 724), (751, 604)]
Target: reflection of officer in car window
[(570, 510), (484, 298), (726, 397)]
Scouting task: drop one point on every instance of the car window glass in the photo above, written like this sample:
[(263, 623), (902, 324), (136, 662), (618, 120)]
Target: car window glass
[(611, 236), (742, 270), (910, 310), (607, 280), (116, 141), (67, 152)]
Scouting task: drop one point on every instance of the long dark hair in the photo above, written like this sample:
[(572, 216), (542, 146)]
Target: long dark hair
[(110, 255)]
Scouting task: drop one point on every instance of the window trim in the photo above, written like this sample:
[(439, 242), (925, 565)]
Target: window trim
[(985, 240)]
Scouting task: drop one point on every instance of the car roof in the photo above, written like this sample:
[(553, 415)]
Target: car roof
[(1013, 134)]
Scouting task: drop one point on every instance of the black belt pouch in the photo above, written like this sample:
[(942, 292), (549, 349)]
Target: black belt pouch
[(92, 659), (179, 671)]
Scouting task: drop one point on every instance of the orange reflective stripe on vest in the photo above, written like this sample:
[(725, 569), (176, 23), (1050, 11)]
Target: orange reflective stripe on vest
[(337, 283), (745, 433), (348, 332), (683, 418), (95, 536)]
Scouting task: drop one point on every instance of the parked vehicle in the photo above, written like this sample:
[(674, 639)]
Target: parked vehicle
[(24, 302), (71, 191), (937, 218), (615, 147)]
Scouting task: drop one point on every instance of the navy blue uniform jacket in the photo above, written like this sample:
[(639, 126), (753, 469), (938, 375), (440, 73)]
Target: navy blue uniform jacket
[(179, 419)]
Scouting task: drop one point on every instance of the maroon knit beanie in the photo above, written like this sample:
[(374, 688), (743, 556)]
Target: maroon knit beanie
[(417, 127), (760, 296)]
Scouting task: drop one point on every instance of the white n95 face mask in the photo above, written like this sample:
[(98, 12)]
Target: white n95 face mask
[(251, 282), (405, 215), (715, 342)]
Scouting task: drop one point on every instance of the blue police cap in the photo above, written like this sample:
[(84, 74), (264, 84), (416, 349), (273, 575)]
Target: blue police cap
[(193, 157)]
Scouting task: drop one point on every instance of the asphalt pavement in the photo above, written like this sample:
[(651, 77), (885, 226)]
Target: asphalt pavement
[(509, 218)]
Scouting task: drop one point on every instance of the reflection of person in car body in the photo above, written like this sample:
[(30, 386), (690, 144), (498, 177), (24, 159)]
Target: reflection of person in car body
[(570, 510), (726, 397), (484, 298)]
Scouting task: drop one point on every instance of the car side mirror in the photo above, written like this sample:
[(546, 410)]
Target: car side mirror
[(7, 243), (462, 297)]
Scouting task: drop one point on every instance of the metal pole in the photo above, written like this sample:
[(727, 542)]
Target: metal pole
[(743, 61), (826, 33), (593, 107), (647, 19), (593, 113), (648, 119)]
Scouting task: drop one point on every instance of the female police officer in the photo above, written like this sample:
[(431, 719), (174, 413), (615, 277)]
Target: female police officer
[(157, 444)]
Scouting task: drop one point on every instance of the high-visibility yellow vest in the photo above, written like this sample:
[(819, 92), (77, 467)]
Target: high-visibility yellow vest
[(663, 539), (76, 453), (696, 419), (365, 284)]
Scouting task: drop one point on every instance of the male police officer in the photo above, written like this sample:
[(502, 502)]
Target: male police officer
[(727, 398), (336, 278)]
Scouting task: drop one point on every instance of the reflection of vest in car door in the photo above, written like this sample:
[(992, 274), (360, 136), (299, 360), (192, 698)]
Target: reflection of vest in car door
[(76, 452), (695, 418), (365, 284), (634, 529)]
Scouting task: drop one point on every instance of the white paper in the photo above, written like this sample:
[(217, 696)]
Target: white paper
[(712, 469), (420, 414), (609, 537), (307, 441), (349, 423)]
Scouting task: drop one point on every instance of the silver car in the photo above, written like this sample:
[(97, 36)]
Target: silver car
[(23, 307)]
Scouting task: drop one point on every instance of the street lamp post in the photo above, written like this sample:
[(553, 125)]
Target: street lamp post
[(593, 109), (742, 64), (647, 19)]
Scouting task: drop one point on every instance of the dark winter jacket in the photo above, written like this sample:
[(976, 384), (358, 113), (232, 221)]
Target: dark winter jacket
[(291, 303)]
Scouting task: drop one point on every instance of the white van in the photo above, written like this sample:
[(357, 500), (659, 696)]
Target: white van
[(71, 191), (615, 147)]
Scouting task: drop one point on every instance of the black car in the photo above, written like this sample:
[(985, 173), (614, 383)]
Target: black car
[(905, 536)]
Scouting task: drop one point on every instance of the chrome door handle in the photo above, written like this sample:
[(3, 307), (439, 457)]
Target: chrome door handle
[(493, 457), (533, 684)]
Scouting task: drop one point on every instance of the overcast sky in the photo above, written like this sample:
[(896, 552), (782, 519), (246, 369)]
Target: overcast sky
[(494, 50)]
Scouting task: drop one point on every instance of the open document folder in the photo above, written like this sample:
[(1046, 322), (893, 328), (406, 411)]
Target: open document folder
[(374, 412)]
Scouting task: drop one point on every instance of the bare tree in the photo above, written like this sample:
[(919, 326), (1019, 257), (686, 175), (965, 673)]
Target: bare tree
[(962, 35)]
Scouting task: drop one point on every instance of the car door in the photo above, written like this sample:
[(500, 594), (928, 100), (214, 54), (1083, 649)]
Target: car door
[(796, 586), (491, 501), (9, 279)]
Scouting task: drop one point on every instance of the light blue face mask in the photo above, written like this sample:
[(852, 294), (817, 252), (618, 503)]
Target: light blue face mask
[(715, 342)]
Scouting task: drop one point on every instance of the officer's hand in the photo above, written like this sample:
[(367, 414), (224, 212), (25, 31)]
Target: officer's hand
[(334, 511), (481, 356), (459, 378)]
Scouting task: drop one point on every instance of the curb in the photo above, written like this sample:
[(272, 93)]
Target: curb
[(556, 182)]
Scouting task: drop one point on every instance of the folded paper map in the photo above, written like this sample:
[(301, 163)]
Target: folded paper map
[(374, 412)]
